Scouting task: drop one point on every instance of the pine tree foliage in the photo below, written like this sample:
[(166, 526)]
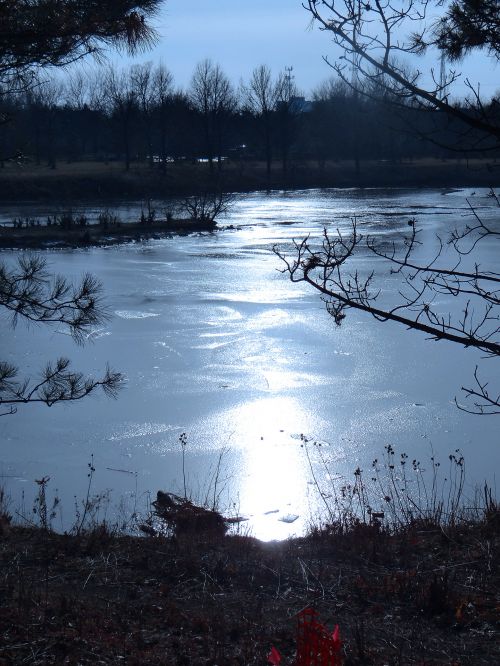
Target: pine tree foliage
[(468, 25), (54, 33), (39, 33), (29, 291)]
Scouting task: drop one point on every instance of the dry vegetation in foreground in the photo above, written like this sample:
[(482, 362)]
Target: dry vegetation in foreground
[(423, 593)]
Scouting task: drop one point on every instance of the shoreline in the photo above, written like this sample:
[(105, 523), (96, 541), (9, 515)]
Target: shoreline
[(399, 597), (107, 185), (107, 182)]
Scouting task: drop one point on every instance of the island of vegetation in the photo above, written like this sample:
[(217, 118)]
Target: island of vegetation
[(30, 234), (196, 214)]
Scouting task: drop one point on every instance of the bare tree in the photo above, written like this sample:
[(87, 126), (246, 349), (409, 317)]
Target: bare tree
[(44, 99), (371, 36), (474, 323), (212, 95), (142, 84), (77, 89), (97, 93), (123, 104), (261, 97), (379, 41), (207, 205), (82, 129), (337, 105), (162, 92), (287, 114)]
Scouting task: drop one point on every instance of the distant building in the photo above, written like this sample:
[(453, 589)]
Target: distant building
[(300, 105)]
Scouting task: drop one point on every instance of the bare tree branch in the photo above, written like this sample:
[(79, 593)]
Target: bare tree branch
[(325, 266), (374, 38), (483, 403)]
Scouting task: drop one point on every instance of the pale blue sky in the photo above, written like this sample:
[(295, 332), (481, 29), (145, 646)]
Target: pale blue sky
[(242, 34)]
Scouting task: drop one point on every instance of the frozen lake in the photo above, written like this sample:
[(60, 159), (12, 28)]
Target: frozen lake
[(217, 343)]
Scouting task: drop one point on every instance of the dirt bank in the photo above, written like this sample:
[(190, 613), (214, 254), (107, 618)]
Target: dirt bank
[(425, 595)]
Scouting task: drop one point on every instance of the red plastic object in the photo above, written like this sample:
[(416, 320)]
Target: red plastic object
[(274, 657), (315, 645)]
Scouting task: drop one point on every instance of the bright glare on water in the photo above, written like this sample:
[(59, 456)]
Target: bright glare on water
[(216, 342)]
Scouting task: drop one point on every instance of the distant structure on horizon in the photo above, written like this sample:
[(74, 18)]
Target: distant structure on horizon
[(299, 104)]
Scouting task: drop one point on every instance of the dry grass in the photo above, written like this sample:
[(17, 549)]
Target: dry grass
[(419, 595), (419, 585), (79, 181)]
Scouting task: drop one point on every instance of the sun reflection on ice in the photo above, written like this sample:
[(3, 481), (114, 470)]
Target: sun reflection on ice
[(273, 475)]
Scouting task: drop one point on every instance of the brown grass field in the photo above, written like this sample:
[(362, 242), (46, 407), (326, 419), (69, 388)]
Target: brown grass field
[(105, 181), (423, 595)]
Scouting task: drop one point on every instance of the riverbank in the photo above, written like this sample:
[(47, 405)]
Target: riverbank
[(107, 182), (426, 594)]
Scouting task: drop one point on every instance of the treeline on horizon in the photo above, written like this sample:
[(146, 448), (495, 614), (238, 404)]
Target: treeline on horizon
[(138, 114)]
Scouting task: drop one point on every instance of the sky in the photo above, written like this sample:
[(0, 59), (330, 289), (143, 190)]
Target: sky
[(242, 34)]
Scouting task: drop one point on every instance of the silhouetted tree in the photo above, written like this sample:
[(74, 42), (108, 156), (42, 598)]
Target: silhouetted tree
[(8, 106), (45, 99), (83, 121), (468, 25), (207, 205), (142, 110), (338, 123), (163, 95), (123, 106), (28, 291), (261, 97), (141, 79), (287, 115), (367, 34), (212, 95)]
